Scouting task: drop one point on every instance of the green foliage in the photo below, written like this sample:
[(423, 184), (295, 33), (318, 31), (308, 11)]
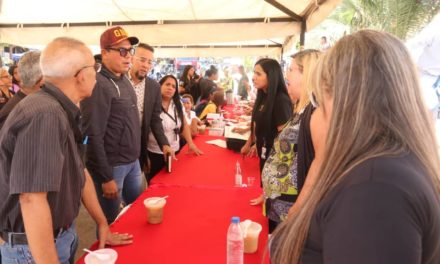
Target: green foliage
[(399, 17)]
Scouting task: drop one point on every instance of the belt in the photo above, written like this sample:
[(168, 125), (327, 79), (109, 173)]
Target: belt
[(13, 238)]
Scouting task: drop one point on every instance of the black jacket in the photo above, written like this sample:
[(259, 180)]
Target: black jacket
[(111, 123), (151, 120)]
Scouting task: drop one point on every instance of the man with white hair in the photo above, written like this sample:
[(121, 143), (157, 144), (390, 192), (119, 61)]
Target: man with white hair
[(30, 81), (42, 176)]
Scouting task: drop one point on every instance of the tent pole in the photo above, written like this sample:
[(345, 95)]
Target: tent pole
[(282, 53), (284, 9), (154, 22)]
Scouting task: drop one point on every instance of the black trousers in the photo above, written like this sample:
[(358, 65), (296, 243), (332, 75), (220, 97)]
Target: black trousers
[(157, 163), (272, 225)]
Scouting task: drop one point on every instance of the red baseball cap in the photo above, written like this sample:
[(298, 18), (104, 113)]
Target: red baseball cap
[(115, 35)]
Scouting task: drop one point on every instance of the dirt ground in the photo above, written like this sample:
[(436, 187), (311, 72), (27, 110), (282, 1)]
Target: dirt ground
[(86, 229)]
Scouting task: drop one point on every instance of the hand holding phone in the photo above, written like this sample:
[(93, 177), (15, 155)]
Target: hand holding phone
[(169, 161)]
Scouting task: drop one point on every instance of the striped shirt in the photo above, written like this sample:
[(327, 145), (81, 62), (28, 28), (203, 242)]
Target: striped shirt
[(39, 153), (139, 89)]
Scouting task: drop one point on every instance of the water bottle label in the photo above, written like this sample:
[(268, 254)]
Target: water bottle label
[(235, 252), (238, 180)]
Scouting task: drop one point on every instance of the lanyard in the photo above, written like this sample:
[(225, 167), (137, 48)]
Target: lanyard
[(176, 129), (175, 114)]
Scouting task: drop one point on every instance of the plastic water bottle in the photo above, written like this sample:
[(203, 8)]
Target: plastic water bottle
[(238, 176), (235, 242)]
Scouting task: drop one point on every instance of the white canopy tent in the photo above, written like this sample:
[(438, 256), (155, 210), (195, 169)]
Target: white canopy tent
[(176, 27)]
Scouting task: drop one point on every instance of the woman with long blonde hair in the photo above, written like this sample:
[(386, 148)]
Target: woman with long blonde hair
[(280, 173), (376, 199)]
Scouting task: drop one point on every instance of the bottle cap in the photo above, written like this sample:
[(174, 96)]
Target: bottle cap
[(235, 220)]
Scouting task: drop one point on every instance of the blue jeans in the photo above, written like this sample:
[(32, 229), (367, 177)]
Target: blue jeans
[(128, 177), (66, 244)]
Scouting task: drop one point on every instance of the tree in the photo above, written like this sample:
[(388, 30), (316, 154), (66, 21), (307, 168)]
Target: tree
[(399, 17)]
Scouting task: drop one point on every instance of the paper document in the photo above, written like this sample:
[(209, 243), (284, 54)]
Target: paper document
[(230, 134), (218, 142)]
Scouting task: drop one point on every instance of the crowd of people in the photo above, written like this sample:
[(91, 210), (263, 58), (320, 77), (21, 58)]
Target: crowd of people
[(350, 169)]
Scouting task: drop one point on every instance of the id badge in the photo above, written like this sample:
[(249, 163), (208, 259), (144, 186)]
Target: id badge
[(263, 152)]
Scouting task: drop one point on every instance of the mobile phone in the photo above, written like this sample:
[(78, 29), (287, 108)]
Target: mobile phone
[(169, 160)]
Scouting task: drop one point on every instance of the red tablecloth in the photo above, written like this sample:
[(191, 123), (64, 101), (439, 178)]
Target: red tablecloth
[(201, 202), (229, 111), (216, 167), (194, 227)]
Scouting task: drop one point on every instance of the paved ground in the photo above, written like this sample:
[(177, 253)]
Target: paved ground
[(86, 229)]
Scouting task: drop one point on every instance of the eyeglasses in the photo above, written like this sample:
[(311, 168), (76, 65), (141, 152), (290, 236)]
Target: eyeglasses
[(96, 67), (145, 60), (123, 51)]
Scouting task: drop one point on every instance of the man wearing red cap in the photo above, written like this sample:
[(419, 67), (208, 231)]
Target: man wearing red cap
[(112, 125)]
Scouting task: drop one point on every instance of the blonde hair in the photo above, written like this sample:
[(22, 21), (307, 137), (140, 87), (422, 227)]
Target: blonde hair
[(306, 61), (377, 110)]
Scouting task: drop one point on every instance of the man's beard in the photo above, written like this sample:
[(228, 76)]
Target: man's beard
[(139, 77)]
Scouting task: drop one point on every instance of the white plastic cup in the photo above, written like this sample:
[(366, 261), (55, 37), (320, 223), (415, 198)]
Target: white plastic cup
[(154, 206), (251, 237), (202, 129), (250, 181), (92, 259)]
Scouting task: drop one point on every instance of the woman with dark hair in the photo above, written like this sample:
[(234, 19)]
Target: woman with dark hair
[(205, 98), (13, 71), (174, 125), (243, 84), (214, 105), (271, 112), (207, 83), (377, 196), (188, 80)]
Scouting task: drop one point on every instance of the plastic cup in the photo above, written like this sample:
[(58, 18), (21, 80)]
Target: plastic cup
[(250, 181), (202, 129), (92, 259), (251, 237), (154, 206)]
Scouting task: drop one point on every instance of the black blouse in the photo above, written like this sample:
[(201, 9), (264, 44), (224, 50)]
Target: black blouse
[(306, 151), (385, 210), (281, 113)]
